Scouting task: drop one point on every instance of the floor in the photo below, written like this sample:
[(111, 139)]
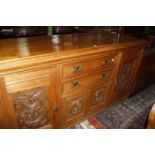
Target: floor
[(129, 114)]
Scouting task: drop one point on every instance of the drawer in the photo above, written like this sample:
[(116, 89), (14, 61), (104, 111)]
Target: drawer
[(28, 79), (79, 83), (20, 77), (26, 85), (74, 69)]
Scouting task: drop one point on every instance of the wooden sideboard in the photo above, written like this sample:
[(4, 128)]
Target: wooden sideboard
[(55, 82)]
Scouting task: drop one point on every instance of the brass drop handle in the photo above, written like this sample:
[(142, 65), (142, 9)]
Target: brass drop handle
[(75, 84), (55, 107), (104, 76), (106, 62), (77, 69)]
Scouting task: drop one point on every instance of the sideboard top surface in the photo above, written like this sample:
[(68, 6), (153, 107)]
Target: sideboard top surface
[(57, 44)]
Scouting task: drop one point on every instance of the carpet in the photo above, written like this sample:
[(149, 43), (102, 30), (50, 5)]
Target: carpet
[(129, 114), (90, 123)]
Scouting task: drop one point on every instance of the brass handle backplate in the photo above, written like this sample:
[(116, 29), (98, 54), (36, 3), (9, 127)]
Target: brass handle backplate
[(75, 84), (77, 69), (106, 62)]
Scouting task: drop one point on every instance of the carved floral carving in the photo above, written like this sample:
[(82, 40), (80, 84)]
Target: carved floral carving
[(31, 107), (97, 97), (75, 106), (123, 77)]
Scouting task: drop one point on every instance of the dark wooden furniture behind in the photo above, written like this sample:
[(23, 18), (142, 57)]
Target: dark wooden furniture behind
[(146, 73), (56, 82)]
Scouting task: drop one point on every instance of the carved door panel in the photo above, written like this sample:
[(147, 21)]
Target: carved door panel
[(33, 100), (74, 108), (125, 75), (98, 97), (31, 107)]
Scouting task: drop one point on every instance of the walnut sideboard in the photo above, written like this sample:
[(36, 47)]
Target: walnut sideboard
[(55, 82)]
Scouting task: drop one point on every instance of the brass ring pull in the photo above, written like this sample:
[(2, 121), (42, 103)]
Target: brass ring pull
[(75, 84), (106, 62), (77, 69)]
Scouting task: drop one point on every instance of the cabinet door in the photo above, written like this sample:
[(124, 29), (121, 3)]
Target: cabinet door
[(125, 75), (33, 98), (74, 108), (98, 97)]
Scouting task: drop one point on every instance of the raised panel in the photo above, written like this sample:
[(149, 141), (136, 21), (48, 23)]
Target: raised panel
[(31, 107), (98, 97), (125, 75), (74, 108)]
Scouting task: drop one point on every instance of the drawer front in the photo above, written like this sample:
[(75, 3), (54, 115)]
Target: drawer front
[(26, 76), (74, 69), (28, 79), (74, 108), (77, 84), (28, 84)]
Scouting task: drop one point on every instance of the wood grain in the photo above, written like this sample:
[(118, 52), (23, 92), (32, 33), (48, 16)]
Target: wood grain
[(79, 71), (145, 70), (98, 96), (125, 74), (151, 119), (7, 116)]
